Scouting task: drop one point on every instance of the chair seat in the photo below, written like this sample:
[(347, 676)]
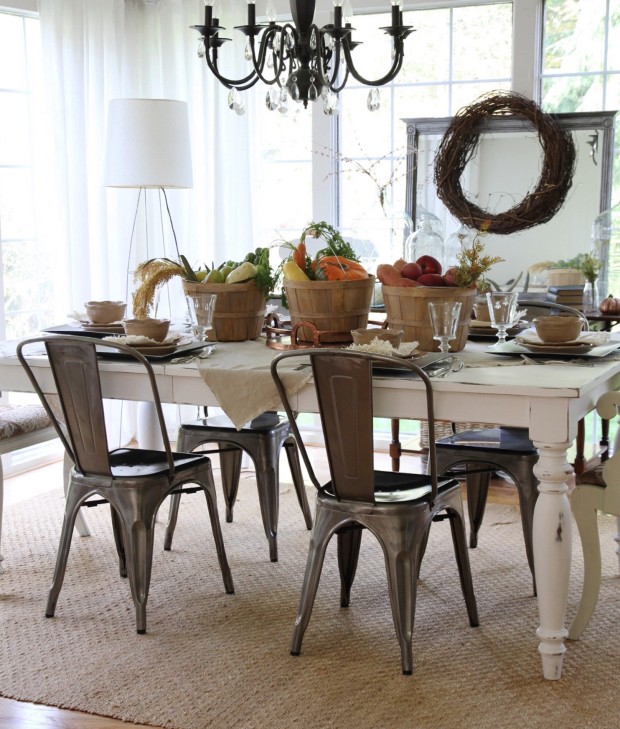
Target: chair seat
[(263, 423), (502, 440), (394, 486), (18, 420), (132, 462)]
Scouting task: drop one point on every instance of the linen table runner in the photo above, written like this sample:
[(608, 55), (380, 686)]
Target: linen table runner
[(238, 374)]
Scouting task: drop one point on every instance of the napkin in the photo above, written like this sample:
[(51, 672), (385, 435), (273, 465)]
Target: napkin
[(239, 376)]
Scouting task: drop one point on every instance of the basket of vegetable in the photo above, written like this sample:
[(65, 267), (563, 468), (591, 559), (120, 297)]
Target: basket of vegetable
[(242, 290), (331, 291), (409, 286)]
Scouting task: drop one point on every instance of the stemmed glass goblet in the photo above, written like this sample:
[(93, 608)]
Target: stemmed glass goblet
[(503, 310), (201, 309), (444, 320)]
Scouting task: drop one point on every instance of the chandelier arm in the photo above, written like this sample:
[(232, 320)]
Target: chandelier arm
[(242, 84), (338, 89), (259, 63), (389, 76)]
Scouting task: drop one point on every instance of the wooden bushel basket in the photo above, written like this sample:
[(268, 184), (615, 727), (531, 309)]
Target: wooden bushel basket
[(239, 309), (407, 309), (333, 307)]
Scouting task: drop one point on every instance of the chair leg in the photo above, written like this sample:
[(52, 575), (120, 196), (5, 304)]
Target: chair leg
[(349, 541), (117, 530), (211, 497), (230, 466), (267, 483), (477, 492), (292, 454), (527, 488), (173, 513), (402, 552), (584, 502), (324, 524), (81, 524), (73, 501), (459, 539)]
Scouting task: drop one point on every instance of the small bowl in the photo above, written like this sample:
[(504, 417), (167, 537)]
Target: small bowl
[(365, 336), (156, 329), (558, 329), (105, 312)]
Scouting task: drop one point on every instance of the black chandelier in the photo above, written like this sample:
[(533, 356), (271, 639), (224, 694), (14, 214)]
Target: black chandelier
[(299, 59)]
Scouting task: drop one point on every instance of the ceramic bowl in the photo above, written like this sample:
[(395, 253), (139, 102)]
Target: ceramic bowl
[(156, 329), (365, 336), (105, 312), (558, 329)]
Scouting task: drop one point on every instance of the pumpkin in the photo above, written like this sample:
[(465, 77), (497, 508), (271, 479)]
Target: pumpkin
[(610, 305), (338, 268)]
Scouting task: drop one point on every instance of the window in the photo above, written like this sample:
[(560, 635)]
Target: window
[(26, 271), (454, 56)]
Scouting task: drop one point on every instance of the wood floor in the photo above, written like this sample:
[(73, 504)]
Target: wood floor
[(23, 715)]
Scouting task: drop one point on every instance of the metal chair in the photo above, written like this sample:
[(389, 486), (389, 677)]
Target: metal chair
[(508, 450), (262, 439), (133, 481), (397, 508), (597, 490)]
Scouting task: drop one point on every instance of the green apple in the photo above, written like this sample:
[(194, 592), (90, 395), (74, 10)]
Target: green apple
[(215, 276)]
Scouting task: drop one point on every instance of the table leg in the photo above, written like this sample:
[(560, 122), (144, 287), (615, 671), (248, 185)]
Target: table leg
[(552, 553)]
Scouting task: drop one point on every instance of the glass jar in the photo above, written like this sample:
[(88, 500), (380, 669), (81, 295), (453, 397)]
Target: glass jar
[(424, 242)]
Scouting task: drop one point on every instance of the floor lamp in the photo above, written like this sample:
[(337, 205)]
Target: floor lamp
[(148, 147)]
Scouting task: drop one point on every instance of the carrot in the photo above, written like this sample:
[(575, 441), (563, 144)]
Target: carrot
[(299, 255)]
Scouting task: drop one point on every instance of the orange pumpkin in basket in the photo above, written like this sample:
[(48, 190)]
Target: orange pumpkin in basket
[(338, 268)]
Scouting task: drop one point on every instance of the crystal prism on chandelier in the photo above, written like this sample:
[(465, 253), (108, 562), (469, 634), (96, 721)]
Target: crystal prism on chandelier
[(299, 60)]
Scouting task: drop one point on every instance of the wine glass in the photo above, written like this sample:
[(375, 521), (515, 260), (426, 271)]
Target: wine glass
[(201, 309), (503, 310), (444, 319)]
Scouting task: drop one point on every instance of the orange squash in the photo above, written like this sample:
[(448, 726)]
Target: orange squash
[(338, 268)]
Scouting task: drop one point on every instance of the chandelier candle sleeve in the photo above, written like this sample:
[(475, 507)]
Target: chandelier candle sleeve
[(299, 58)]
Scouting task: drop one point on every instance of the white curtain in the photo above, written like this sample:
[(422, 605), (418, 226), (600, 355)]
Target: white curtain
[(99, 50)]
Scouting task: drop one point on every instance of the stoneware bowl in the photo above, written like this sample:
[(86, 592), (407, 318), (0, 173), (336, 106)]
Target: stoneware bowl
[(365, 336), (156, 329), (557, 329), (105, 312)]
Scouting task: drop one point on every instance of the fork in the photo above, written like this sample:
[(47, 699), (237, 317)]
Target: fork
[(202, 354)]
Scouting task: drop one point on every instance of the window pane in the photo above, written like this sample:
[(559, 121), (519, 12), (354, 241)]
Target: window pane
[(12, 56), (480, 37), (574, 35), (16, 204), (14, 130), (427, 50), (573, 93)]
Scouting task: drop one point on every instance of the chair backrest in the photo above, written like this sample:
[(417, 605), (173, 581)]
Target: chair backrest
[(74, 365), (344, 386), (562, 308)]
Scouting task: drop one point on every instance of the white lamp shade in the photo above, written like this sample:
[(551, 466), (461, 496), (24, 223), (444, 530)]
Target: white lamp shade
[(148, 144)]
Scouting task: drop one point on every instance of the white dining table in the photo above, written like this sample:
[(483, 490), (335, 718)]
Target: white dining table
[(548, 398)]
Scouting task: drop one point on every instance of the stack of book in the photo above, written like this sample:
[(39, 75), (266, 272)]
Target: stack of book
[(567, 295)]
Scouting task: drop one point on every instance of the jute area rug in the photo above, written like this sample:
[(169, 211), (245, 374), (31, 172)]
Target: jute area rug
[(216, 660)]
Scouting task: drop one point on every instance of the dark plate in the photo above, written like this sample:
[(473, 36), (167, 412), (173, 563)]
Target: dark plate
[(80, 332), (425, 361), (169, 353)]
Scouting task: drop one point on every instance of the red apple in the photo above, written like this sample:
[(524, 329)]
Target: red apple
[(411, 270), (431, 279), (428, 264), (449, 277)]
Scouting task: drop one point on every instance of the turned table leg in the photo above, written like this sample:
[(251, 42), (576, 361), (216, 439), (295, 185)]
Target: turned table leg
[(552, 553)]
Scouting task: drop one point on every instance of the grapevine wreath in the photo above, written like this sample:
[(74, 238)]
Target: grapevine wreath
[(459, 145)]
